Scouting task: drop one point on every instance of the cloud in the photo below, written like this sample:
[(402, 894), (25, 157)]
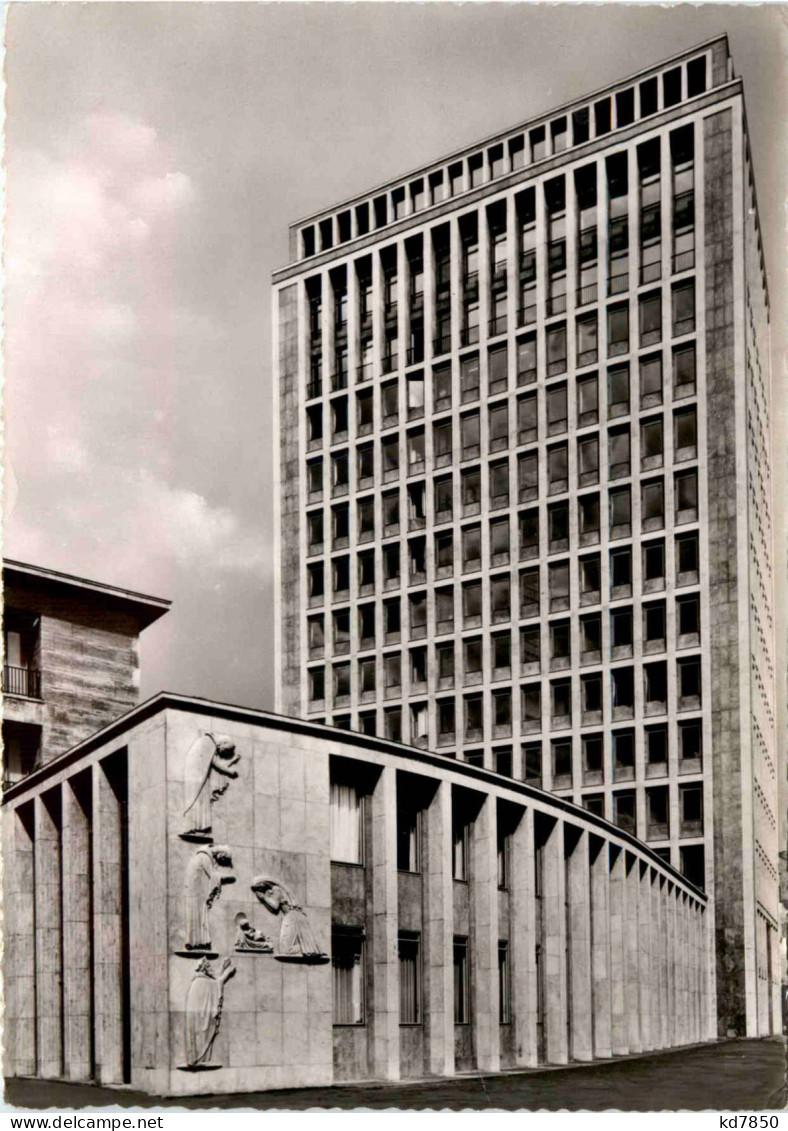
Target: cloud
[(97, 359)]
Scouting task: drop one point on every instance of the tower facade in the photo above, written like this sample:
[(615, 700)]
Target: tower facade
[(523, 399)]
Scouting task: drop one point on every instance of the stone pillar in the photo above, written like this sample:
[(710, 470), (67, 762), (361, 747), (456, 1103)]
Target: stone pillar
[(644, 954), (664, 999), (600, 948), (19, 1036), (618, 967), (107, 929), (670, 931), (385, 960), (522, 941), (77, 928), (681, 971), (49, 926), (439, 924), (554, 945), (579, 933), (657, 965), (484, 937), (632, 881), (704, 977)]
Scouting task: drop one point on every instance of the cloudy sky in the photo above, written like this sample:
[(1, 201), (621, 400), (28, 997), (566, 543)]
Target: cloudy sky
[(154, 156)]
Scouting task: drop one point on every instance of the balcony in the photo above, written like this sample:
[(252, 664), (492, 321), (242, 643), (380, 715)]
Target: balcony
[(441, 345), (498, 280), (618, 283), (22, 681), (339, 380), (650, 272), (497, 325), (527, 315), (389, 362), (416, 354), (364, 372), (556, 304), (469, 336), (314, 389), (588, 294)]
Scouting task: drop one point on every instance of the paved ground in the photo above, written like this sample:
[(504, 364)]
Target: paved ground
[(729, 1076)]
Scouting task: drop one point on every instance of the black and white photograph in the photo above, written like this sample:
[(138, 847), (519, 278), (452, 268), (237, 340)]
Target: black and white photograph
[(395, 588)]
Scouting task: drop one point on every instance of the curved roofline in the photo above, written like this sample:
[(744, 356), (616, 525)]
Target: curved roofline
[(164, 700)]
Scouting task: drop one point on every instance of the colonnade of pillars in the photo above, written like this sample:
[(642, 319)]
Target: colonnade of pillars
[(623, 960), (64, 969)]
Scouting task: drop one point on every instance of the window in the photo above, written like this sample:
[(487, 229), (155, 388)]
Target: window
[(316, 636), (504, 984), (557, 467), (393, 671), (339, 418), (317, 685), (696, 76), (315, 477), (558, 527), (389, 395), (691, 809), (556, 410), (591, 638), (650, 318), (655, 687), (624, 811), (562, 762), (686, 486), (347, 963), (498, 367), (341, 568), (620, 573), (560, 642), (590, 573), (472, 603), (653, 565), (685, 434), (527, 419), (530, 646), (684, 308), (656, 747), (671, 87), (469, 378), (623, 683), (588, 513), (651, 443), (409, 978), (445, 658), (461, 982), (618, 453), (621, 632), (592, 758), (561, 706), (531, 701), (617, 330), (417, 559), (501, 646), (623, 754), (556, 350), (391, 512), (390, 455), (651, 381), (618, 391), (393, 723), (342, 630), (532, 762), (346, 825), (459, 839), (527, 477), (587, 340), (339, 473), (446, 721), (416, 449), (443, 499), (444, 610), (653, 505), (690, 745), (499, 484), (500, 598), (657, 827), (526, 359), (620, 512), (688, 621), (588, 460), (444, 554), (687, 559), (654, 626), (602, 117), (441, 387), (418, 615), (366, 669), (471, 490), (315, 531), (529, 593), (499, 427), (366, 520), (558, 574), (472, 659), (588, 400), (499, 541), (391, 564), (502, 713), (684, 371), (648, 97), (471, 548), (689, 683), (408, 831)]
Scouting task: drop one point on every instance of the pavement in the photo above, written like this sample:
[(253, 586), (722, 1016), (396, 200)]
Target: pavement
[(728, 1076)]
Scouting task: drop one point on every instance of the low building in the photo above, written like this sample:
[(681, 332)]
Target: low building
[(204, 899), (70, 660)]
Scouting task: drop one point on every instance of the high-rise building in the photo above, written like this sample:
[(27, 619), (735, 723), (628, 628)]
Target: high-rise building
[(524, 486)]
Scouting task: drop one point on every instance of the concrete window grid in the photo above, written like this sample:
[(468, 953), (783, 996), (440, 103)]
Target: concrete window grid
[(559, 131), (542, 385)]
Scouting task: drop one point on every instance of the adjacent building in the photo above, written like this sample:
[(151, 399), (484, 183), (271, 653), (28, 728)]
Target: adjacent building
[(70, 660), (523, 397)]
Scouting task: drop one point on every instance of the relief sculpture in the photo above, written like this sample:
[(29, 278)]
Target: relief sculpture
[(206, 872), (248, 940), (204, 1001), (297, 942), (209, 771)]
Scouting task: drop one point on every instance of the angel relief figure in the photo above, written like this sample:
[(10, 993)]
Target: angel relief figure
[(297, 942), (209, 770)]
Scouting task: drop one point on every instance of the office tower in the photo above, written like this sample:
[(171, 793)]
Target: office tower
[(524, 489)]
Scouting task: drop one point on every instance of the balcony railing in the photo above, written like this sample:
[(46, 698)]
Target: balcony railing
[(469, 336), (388, 362), (22, 681), (441, 345), (556, 304), (587, 357), (497, 325), (339, 381), (364, 372), (416, 354)]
